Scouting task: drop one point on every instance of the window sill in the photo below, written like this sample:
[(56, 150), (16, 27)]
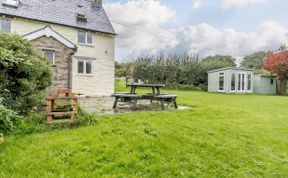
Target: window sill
[(85, 75), (86, 45)]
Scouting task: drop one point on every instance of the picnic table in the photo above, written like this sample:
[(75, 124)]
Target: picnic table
[(156, 95)]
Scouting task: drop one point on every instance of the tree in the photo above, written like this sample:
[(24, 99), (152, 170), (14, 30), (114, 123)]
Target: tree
[(254, 61), (277, 63), (24, 74), (215, 62)]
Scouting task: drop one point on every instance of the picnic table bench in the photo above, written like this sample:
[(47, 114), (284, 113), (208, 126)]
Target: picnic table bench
[(156, 95)]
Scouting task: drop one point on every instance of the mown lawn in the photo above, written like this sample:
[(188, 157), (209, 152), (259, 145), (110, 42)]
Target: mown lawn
[(221, 136)]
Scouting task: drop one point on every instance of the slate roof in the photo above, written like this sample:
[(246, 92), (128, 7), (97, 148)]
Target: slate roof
[(62, 12)]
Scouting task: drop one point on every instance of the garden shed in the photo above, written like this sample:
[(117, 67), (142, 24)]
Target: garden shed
[(230, 80), (265, 84)]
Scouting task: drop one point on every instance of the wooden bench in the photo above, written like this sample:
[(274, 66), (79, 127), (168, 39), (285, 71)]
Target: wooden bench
[(125, 97), (168, 98)]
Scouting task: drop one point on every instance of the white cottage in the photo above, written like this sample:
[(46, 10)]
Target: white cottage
[(76, 35)]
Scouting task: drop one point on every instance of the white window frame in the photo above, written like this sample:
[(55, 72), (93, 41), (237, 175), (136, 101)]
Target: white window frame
[(54, 55), (86, 38), (84, 67), (235, 87), (221, 74), (251, 82), (1, 25), (241, 82)]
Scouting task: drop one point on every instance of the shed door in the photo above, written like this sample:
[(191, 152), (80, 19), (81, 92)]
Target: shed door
[(241, 82)]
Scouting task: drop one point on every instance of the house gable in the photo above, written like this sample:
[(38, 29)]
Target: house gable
[(48, 32)]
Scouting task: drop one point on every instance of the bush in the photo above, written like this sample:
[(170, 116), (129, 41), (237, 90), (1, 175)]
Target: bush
[(24, 74), (9, 120), (179, 71)]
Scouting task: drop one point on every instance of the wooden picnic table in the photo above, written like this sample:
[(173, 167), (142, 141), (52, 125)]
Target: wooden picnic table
[(155, 87), (132, 97)]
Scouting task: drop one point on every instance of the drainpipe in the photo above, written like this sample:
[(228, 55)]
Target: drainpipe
[(70, 68)]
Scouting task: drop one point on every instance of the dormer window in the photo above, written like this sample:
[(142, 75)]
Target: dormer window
[(81, 18), (11, 3)]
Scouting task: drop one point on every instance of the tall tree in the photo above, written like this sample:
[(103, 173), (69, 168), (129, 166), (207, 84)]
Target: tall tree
[(277, 63), (254, 61)]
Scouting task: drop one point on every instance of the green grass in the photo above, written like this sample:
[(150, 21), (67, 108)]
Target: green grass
[(221, 136)]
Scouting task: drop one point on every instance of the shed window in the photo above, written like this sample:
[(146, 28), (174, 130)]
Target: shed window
[(84, 67), (50, 55), (221, 82), (85, 37), (249, 82), (5, 25), (233, 82), (272, 81)]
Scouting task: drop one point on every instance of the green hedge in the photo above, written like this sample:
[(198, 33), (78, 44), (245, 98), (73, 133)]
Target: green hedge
[(179, 71)]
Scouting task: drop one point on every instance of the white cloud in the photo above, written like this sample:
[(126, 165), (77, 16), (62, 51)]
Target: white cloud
[(227, 4), (197, 4), (151, 15), (208, 40), (141, 31)]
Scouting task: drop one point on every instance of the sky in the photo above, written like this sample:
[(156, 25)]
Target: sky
[(204, 27)]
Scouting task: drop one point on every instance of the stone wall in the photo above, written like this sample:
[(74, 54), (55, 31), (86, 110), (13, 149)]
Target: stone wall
[(62, 53)]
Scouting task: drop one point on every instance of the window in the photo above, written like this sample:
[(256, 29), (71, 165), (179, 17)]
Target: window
[(50, 55), (233, 82), (84, 67), (239, 82), (249, 82), (85, 37), (272, 81), (243, 82), (221, 82), (12, 3), (5, 25)]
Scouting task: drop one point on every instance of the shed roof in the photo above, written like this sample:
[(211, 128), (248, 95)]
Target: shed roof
[(230, 68), (266, 75), (62, 12)]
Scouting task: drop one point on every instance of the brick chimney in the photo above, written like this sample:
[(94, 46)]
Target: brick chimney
[(97, 3)]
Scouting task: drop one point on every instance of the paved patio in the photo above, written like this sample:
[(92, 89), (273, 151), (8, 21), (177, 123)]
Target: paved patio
[(103, 106)]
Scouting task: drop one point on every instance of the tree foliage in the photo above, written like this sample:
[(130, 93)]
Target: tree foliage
[(277, 63), (254, 61), (24, 74), (123, 69), (179, 70)]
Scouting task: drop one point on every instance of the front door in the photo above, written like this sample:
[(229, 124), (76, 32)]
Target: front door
[(241, 82)]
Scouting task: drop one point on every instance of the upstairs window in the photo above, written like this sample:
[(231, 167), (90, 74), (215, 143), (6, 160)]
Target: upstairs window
[(50, 55), (5, 25), (85, 38), (84, 67)]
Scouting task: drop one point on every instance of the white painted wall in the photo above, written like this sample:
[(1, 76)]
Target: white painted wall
[(101, 83)]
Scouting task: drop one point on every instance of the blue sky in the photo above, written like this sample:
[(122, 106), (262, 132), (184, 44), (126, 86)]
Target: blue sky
[(244, 18)]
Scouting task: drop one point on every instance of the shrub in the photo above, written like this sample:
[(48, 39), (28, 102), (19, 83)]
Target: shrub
[(24, 74), (9, 120), (179, 71)]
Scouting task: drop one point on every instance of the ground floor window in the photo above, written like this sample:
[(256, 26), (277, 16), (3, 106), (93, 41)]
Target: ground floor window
[(50, 55), (249, 82), (221, 82), (233, 82), (84, 67)]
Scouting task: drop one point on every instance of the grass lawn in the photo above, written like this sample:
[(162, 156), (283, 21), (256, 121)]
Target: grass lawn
[(221, 136)]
